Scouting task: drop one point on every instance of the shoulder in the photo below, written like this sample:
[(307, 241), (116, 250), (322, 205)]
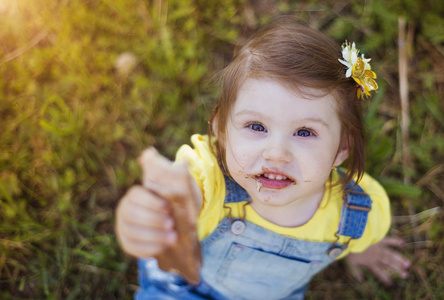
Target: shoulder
[(378, 195), (199, 153), (203, 166), (200, 158), (379, 217), (374, 189)]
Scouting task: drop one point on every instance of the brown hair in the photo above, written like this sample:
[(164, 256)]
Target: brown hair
[(299, 58)]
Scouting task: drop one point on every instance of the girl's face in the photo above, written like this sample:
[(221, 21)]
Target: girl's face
[(283, 143)]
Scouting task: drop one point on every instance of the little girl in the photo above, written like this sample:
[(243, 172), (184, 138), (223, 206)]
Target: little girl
[(275, 209)]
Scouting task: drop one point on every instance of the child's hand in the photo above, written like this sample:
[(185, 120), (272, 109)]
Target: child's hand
[(144, 225), (381, 260)]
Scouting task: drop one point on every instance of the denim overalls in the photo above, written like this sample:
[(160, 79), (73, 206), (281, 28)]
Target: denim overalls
[(244, 261)]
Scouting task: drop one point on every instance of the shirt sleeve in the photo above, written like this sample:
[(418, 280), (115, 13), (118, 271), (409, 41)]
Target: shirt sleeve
[(203, 167), (379, 218)]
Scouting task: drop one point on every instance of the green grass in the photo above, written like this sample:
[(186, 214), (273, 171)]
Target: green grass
[(72, 126)]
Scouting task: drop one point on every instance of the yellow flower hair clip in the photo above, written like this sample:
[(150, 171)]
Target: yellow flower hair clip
[(359, 69)]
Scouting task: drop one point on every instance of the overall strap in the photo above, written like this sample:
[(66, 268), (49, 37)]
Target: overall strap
[(354, 213), (355, 209), (234, 192)]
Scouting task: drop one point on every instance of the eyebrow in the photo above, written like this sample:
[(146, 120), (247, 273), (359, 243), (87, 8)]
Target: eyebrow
[(258, 114)]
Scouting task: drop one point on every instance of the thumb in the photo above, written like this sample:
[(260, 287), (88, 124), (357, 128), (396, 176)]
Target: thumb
[(355, 270), (162, 177), (154, 167), (357, 273)]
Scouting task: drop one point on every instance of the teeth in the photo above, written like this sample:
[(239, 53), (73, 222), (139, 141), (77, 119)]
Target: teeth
[(275, 176)]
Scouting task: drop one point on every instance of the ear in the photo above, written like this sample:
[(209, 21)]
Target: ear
[(214, 126), (343, 152)]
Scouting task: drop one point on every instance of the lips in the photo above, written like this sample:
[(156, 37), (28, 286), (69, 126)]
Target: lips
[(274, 179)]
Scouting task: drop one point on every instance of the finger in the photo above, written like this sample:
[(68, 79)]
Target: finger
[(396, 262), (150, 160), (142, 250), (143, 242), (354, 268), (137, 208), (136, 234), (167, 192), (389, 257), (143, 217), (380, 272), (136, 248), (392, 241), (145, 198), (357, 274), (157, 169), (140, 213)]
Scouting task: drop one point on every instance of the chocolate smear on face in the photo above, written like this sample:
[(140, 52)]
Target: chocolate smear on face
[(259, 186)]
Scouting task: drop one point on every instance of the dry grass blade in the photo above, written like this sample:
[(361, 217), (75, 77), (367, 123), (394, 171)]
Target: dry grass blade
[(433, 181), (403, 47), (417, 217), (19, 51)]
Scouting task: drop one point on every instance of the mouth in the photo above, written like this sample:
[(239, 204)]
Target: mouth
[(273, 179)]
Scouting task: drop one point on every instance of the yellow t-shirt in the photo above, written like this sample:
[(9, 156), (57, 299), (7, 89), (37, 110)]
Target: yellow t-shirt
[(321, 227)]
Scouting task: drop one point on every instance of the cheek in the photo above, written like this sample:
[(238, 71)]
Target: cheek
[(316, 159), (239, 155)]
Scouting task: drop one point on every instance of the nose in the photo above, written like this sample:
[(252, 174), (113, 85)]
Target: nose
[(278, 150)]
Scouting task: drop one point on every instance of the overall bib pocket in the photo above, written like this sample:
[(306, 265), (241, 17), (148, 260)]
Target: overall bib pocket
[(260, 274)]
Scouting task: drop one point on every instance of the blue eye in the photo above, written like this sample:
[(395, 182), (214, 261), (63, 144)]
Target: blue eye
[(304, 132), (257, 127)]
